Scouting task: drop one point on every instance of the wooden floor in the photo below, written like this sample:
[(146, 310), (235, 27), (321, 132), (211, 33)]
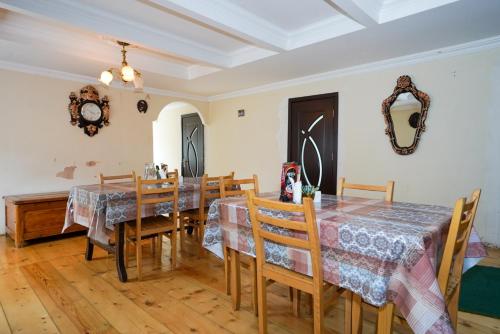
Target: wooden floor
[(49, 288)]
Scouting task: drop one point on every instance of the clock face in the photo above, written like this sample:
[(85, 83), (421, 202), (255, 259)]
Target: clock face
[(91, 112)]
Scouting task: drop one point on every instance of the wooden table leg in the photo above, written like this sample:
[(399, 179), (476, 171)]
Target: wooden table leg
[(348, 312), (119, 251), (227, 270), (89, 252), (356, 314), (384, 319), (235, 279)]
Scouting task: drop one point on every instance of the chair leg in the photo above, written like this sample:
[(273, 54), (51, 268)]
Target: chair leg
[(319, 310), (197, 233), (158, 249), (153, 246), (127, 250), (253, 272), (138, 258), (384, 319), (453, 308), (173, 248), (235, 279), (310, 304), (127, 246), (201, 235), (296, 293), (227, 270), (182, 230), (261, 288)]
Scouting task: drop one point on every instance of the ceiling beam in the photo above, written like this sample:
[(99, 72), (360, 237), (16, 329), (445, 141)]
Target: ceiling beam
[(230, 19), (76, 14), (365, 12)]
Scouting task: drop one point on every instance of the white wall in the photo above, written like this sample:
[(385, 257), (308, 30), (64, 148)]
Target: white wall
[(37, 141), (167, 132), (458, 153)]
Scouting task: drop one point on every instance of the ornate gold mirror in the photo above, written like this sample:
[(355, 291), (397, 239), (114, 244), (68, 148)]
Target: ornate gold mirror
[(405, 112)]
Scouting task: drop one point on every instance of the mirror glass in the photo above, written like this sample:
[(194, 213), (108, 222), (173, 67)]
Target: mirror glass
[(405, 114)]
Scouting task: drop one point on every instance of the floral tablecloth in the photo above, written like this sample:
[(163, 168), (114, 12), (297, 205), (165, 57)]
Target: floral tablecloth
[(99, 207), (379, 250)]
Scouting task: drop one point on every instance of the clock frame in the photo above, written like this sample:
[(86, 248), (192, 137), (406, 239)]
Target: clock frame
[(88, 94)]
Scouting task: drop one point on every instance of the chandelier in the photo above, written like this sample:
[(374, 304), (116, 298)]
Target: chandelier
[(126, 72)]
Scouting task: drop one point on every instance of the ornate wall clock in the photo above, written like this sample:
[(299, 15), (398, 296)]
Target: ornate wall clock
[(88, 111)]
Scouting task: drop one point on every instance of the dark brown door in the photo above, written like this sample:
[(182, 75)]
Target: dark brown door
[(193, 160), (312, 139)]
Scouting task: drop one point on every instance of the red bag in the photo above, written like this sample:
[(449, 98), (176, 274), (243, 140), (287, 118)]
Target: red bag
[(288, 170)]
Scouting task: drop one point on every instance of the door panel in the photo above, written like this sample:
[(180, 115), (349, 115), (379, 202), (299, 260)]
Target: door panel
[(312, 139), (193, 160)]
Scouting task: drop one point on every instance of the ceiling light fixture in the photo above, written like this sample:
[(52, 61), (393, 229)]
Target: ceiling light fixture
[(126, 72)]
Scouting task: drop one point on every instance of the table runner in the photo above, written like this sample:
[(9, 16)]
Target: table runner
[(100, 206), (379, 250)]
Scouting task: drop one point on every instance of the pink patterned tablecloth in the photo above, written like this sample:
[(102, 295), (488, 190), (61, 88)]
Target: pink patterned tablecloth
[(379, 250), (99, 207)]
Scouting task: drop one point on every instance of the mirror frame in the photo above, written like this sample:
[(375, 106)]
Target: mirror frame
[(405, 85)]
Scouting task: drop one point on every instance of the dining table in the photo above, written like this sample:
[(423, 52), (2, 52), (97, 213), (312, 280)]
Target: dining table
[(105, 208), (382, 251)]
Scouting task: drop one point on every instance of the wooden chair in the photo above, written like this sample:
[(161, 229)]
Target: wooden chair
[(130, 177), (267, 271), (449, 274), (196, 218), (232, 187), (155, 192), (174, 174), (388, 189)]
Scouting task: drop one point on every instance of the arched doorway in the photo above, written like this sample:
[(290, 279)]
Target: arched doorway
[(177, 137)]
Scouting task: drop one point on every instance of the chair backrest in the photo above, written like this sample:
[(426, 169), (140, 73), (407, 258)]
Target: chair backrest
[(232, 187), (129, 177), (210, 189), (174, 174), (388, 189), (450, 270), (156, 192), (308, 228)]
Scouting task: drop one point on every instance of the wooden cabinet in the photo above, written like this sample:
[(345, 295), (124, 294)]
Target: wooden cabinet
[(36, 215)]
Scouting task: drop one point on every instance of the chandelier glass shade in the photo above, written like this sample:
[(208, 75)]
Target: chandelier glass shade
[(126, 73)]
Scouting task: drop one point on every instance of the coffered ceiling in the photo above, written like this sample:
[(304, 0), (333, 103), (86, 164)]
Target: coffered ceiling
[(210, 47)]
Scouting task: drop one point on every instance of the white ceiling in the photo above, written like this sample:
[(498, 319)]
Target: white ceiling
[(211, 47)]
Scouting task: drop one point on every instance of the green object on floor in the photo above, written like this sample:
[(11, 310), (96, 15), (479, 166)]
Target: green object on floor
[(480, 292)]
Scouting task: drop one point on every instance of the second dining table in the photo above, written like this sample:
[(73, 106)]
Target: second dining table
[(382, 251), (104, 209)]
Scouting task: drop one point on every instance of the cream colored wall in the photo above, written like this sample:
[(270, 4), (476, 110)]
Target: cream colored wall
[(167, 132), (37, 140), (458, 153)]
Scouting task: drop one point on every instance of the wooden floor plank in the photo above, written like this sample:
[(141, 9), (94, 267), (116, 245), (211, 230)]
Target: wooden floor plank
[(110, 302), (212, 304), (56, 291), (22, 308), (63, 322), (4, 324), (177, 316), (50, 288)]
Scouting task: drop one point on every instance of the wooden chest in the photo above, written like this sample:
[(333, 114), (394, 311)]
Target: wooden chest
[(36, 215)]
